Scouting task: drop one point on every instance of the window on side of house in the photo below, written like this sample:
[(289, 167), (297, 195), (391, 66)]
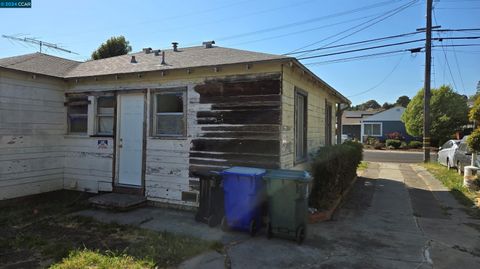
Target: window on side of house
[(169, 113), (77, 115), (104, 115), (372, 129)]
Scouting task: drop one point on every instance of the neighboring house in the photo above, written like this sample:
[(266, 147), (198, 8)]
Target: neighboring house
[(152, 122), (351, 122), (383, 123)]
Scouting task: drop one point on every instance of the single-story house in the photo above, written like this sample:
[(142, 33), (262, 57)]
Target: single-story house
[(152, 122), (383, 123), (351, 122)]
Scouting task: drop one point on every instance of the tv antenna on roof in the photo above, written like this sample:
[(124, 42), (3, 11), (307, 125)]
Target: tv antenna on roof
[(40, 43)]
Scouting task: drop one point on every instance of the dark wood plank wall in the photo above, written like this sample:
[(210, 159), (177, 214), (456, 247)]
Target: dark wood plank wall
[(243, 126)]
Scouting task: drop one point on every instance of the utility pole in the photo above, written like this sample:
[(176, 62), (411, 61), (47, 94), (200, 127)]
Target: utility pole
[(426, 92)]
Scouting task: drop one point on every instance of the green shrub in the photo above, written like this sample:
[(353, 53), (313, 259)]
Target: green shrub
[(370, 140), (394, 143), (415, 144), (404, 145), (333, 170), (473, 140)]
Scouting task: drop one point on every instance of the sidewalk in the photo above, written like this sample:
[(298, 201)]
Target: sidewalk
[(397, 216)]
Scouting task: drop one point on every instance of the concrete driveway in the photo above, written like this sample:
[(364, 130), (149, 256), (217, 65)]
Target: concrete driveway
[(397, 216), (395, 156)]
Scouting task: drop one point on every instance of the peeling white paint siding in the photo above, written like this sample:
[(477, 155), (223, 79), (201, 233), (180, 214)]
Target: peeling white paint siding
[(32, 125), (167, 167), (87, 167)]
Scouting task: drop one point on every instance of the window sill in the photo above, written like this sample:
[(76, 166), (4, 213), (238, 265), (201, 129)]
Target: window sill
[(168, 137), (76, 136), (104, 136)]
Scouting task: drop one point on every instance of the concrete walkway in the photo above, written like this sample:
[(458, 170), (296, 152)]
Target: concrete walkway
[(397, 216)]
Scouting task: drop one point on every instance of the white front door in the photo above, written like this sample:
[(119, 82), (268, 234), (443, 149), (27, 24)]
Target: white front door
[(131, 113)]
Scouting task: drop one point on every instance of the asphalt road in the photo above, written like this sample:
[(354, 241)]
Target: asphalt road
[(395, 156)]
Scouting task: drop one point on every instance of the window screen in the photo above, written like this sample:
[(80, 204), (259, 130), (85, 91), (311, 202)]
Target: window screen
[(169, 114), (77, 115), (373, 129), (105, 109)]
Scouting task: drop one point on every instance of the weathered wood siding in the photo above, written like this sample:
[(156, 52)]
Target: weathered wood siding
[(317, 94), (240, 124), (223, 123), (32, 124)]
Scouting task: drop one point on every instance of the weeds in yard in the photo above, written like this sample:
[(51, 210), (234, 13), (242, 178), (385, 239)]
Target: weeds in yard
[(43, 232), (94, 259), (454, 182), (362, 166)]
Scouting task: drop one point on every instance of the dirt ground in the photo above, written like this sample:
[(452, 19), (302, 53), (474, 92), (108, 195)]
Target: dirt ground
[(38, 231)]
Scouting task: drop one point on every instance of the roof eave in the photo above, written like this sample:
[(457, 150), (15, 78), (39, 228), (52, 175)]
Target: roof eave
[(334, 92)]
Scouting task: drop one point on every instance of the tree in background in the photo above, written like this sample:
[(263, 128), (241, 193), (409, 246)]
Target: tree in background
[(370, 104), (115, 46), (448, 111), (387, 105), (477, 93), (403, 101)]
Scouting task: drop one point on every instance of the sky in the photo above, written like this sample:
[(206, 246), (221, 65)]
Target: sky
[(271, 26)]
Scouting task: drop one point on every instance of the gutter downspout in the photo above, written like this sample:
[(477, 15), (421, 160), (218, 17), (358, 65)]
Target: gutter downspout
[(339, 120)]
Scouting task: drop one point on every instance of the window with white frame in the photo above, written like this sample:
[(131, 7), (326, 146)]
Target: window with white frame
[(169, 113), (104, 115), (372, 129), (77, 115)]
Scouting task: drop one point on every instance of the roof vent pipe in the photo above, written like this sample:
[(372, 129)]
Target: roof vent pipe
[(133, 60), (163, 58), (147, 50), (208, 44), (175, 46)]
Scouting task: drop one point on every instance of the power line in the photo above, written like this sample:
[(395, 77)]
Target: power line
[(289, 25), (456, 30), (446, 58), (362, 57), (382, 81), (356, 43), (385, 45), (368, 24), (458, 45), (362, 49), (303, 31)]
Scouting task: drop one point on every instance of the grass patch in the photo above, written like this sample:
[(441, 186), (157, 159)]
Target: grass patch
[(95, 259), (454, 182), (362, 166), (41, 232)]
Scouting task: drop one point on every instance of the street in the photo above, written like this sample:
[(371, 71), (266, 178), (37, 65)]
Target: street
[(395, 156)]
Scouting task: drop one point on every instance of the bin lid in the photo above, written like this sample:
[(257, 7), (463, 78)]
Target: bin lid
[(244, 171), (282, 174)]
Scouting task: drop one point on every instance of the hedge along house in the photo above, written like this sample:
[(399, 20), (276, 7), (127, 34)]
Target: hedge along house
[(153, 122)]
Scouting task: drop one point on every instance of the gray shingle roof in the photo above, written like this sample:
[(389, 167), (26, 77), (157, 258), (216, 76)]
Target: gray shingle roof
[(184, 58), (39, 63), (191, 57)]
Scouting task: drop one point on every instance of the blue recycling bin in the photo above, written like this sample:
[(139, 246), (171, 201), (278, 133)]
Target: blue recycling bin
[(244, 198)]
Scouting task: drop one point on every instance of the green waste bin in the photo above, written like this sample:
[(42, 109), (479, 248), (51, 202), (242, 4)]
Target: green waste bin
[(287, 193)]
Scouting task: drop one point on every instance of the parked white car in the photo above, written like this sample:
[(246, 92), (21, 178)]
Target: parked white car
[(446, 153)]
